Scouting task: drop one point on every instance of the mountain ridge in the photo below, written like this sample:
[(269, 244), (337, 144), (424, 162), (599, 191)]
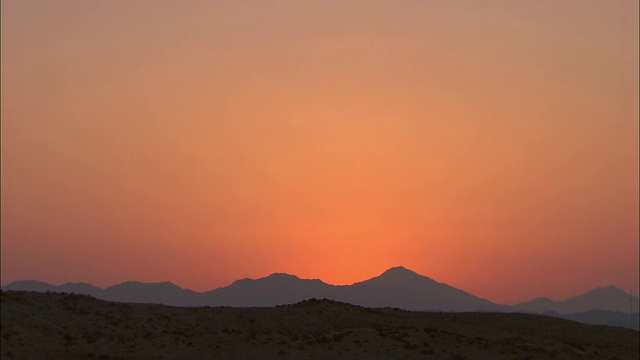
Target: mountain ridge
[(607, 298), (391, 288), (396, 287)]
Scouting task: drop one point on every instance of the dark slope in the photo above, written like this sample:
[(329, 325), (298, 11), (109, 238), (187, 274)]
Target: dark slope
[(79, 327)]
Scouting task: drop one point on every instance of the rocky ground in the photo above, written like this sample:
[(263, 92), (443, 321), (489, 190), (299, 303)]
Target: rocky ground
[(63, 326)]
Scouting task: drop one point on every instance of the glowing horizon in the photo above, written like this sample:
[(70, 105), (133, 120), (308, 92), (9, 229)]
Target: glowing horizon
[(493, 148)]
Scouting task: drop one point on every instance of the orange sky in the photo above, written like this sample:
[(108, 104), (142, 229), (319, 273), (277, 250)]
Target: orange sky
[(491, 145)]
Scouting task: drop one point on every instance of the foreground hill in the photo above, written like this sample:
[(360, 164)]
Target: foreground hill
[(64, 326), (601, 317)]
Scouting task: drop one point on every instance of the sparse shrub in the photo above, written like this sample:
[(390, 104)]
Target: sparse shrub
[(410, 346), (322, 339), (398, 338), (68, 340), (89, 338)]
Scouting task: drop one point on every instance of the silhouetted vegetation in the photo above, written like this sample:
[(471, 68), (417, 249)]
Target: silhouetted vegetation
[(71, 326)]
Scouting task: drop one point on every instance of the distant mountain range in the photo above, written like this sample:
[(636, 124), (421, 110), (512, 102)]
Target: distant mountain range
[(397, 287), (608, 298)]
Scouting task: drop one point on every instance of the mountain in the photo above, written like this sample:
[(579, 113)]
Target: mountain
[(31, 285), (608, 298), (131, 291), (275, 289), (538, 305), (81, 288), (154, 293), (405, 289), (397, 287), (71, 288)]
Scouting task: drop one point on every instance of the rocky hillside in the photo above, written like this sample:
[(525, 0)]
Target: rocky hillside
[(57, 326)]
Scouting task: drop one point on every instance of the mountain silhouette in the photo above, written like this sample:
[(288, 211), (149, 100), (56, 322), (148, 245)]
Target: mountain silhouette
[(71, 288), (608, 298), (32, 285), (397, 287), (405, 289), (158, 293), (275, 289)]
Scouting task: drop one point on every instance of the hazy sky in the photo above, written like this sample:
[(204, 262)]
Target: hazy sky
[(491, 145)]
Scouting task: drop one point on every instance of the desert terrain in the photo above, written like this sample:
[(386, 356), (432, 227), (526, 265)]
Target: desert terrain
[(65, 326)]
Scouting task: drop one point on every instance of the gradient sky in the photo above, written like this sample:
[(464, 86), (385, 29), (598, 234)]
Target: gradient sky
[(491, 145)]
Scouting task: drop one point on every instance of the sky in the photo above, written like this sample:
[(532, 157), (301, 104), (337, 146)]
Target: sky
[(491, 145)]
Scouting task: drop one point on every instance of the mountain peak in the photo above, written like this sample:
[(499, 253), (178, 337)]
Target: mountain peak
[(271, 279), (610, 288), (138, 284), (400, 275), (399, 271), (605, 291), (282, 276)]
